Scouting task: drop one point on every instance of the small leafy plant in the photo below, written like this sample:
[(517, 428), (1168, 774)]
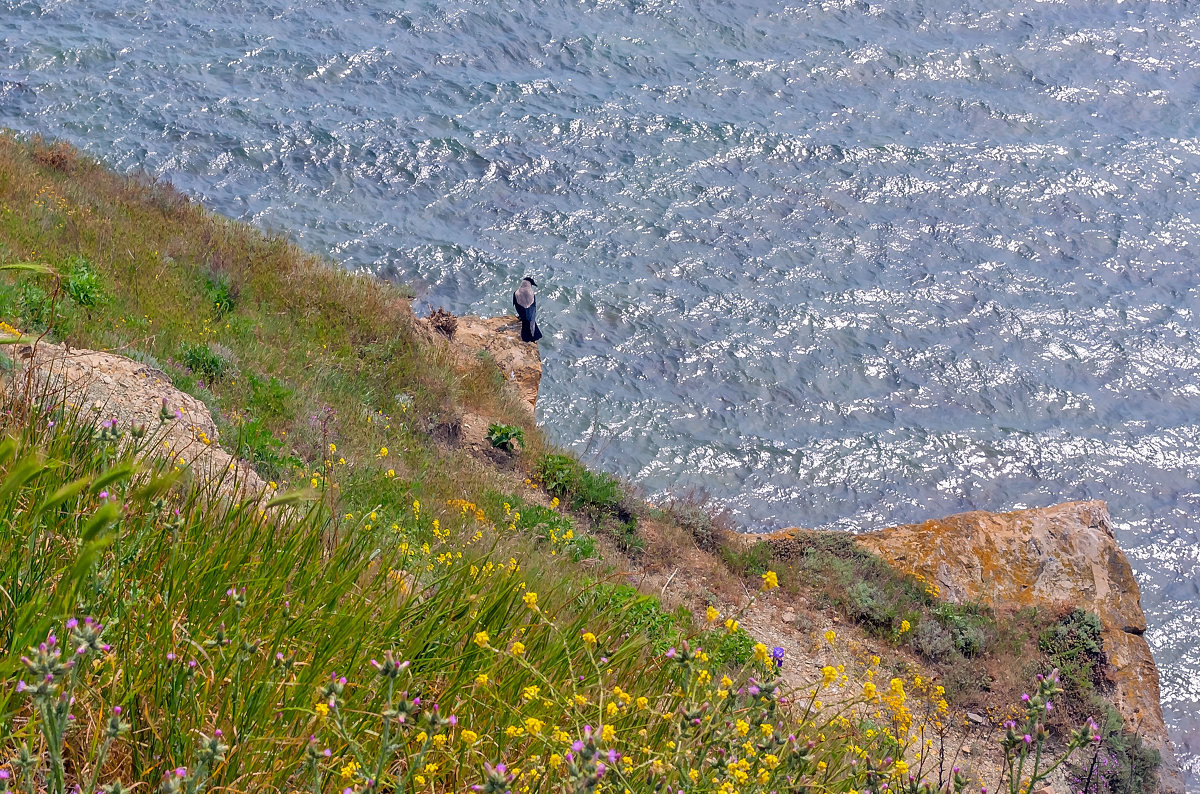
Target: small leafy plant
[(83, 282), (506, 437), (204, 362)]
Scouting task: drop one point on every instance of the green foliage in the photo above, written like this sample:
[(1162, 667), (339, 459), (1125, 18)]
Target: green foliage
[(866, 603), (36, 305), (560, 474), (1073, 645), (505, 437), (221, 293), (730, 649), (82, 282), (552, 527), (641, 615), (256, 443), (205, 362), (933, 641), (9, 303), (747, 560), (598, 494), (270, 398)]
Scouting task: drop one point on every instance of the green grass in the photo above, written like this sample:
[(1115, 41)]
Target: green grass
[(237, 646)]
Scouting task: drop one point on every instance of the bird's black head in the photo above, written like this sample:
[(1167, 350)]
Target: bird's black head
[(530, 280)]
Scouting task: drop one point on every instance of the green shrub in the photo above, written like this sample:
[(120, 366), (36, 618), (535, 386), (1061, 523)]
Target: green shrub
[(204, 361), (747, 560), (640, 615), (505, 437), (933, 641), (37, 307), (83, 282), (270, 398), (222, 294), (598, 494), (707, 523), (867, 605), (560, 474), (551, 526), (728, 649), (257, 444), (1073, 645)]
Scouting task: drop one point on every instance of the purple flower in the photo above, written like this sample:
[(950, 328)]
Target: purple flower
[(671, 653), (22, 686), (777, 654), (1027, 739), (181, 771)]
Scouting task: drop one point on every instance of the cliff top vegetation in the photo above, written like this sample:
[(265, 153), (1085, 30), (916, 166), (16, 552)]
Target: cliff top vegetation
[(396, 613)]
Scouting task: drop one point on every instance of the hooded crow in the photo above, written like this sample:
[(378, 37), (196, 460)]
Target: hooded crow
[(526, 303)]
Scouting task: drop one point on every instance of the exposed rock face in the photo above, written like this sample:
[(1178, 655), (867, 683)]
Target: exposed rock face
[(1055, 556), (501, 338), (119, 389)]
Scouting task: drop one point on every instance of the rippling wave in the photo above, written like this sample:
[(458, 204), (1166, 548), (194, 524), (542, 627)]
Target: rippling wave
[(840, 264)]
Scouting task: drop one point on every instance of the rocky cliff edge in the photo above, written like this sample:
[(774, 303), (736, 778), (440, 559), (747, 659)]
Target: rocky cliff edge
[(1061, 556)]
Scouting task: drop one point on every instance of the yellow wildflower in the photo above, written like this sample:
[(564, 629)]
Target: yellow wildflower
[(589, 638), (905, 626), (530, 599), (481, 639), (518, 648), (770, 580), (470, 737)]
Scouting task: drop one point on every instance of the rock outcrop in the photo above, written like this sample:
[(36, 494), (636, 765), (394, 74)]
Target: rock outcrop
[(500, 337), (1056, 556), (118, 389)]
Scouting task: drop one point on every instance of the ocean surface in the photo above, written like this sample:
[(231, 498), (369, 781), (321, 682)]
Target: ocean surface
[(838, 264)]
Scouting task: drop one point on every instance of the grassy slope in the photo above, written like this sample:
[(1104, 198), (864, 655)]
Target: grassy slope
[(350, 369)]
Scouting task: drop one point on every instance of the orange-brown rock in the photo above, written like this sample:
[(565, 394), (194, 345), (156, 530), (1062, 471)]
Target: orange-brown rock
[(500, 337), (1061, 556), (111, 387)]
